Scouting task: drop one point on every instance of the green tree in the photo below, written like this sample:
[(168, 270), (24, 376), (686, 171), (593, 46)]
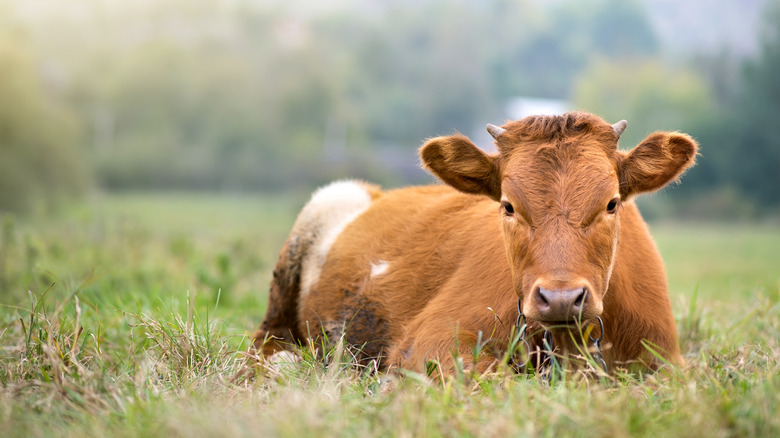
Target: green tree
[(740, 141), (549, 51), (650, 95), (41, 163), (754, 159)]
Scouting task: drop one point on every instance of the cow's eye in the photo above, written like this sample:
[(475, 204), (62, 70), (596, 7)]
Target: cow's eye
[(612, 206), (508, 209)]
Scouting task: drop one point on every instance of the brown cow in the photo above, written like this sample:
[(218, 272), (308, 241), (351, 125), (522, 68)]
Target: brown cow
[(417, 274)]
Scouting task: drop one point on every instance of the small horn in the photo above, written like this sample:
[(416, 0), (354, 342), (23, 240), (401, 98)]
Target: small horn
[(619, 127), (495, 131)]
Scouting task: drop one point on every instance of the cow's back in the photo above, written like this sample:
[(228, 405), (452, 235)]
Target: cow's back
[(410, 246)]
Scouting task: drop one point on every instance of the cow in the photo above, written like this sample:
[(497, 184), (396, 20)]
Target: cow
[(542, 237)]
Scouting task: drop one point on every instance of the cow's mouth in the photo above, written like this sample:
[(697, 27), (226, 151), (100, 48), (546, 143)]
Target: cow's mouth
[(570, 324)]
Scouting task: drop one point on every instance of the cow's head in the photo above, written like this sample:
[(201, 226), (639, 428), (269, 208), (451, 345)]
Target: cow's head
[(561, 183)]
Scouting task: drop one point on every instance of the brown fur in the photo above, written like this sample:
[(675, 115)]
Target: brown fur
[(279, 327), (458, 262)]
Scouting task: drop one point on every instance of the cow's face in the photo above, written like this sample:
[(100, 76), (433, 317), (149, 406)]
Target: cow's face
[(561, 184)]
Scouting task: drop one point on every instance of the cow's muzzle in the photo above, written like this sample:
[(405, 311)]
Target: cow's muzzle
[(562, 306)]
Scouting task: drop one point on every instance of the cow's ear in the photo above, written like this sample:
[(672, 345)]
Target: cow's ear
[(661, 158), (460, 163)]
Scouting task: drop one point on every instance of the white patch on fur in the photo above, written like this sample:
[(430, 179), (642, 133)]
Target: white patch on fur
[(329, 211), (281, 363), (379, 268), (284, 357)]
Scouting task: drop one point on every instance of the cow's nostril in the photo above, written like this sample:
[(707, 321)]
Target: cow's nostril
[(542, 300), (580, 300)]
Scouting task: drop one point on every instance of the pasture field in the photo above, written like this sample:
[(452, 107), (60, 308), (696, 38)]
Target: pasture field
[(130, 315)]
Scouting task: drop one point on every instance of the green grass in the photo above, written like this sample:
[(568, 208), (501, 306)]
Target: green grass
[(130, 316), (728, 263)]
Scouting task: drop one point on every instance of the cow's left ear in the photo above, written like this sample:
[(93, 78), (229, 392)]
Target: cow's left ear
[(660, 159), (460, 163)]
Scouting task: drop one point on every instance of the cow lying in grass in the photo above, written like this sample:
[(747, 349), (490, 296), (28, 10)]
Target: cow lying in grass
[(544, 232)]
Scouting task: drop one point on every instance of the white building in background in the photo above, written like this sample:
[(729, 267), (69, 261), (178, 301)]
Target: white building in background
[(516, 108), (519, 107)]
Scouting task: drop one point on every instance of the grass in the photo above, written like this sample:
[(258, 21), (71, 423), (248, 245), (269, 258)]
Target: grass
[(129, 317), (728, 263)]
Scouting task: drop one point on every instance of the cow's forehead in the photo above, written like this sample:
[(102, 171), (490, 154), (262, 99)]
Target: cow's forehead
[(563, 164), (569, 127), (562, 178), (583, 157)]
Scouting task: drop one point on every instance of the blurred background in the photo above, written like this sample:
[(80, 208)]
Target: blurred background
[(279, 96)]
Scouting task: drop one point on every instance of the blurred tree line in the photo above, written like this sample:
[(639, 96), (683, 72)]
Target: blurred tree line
[(273, 95)]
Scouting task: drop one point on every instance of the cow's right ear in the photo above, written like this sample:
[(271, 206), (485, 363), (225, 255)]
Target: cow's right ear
[(460, 163)]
